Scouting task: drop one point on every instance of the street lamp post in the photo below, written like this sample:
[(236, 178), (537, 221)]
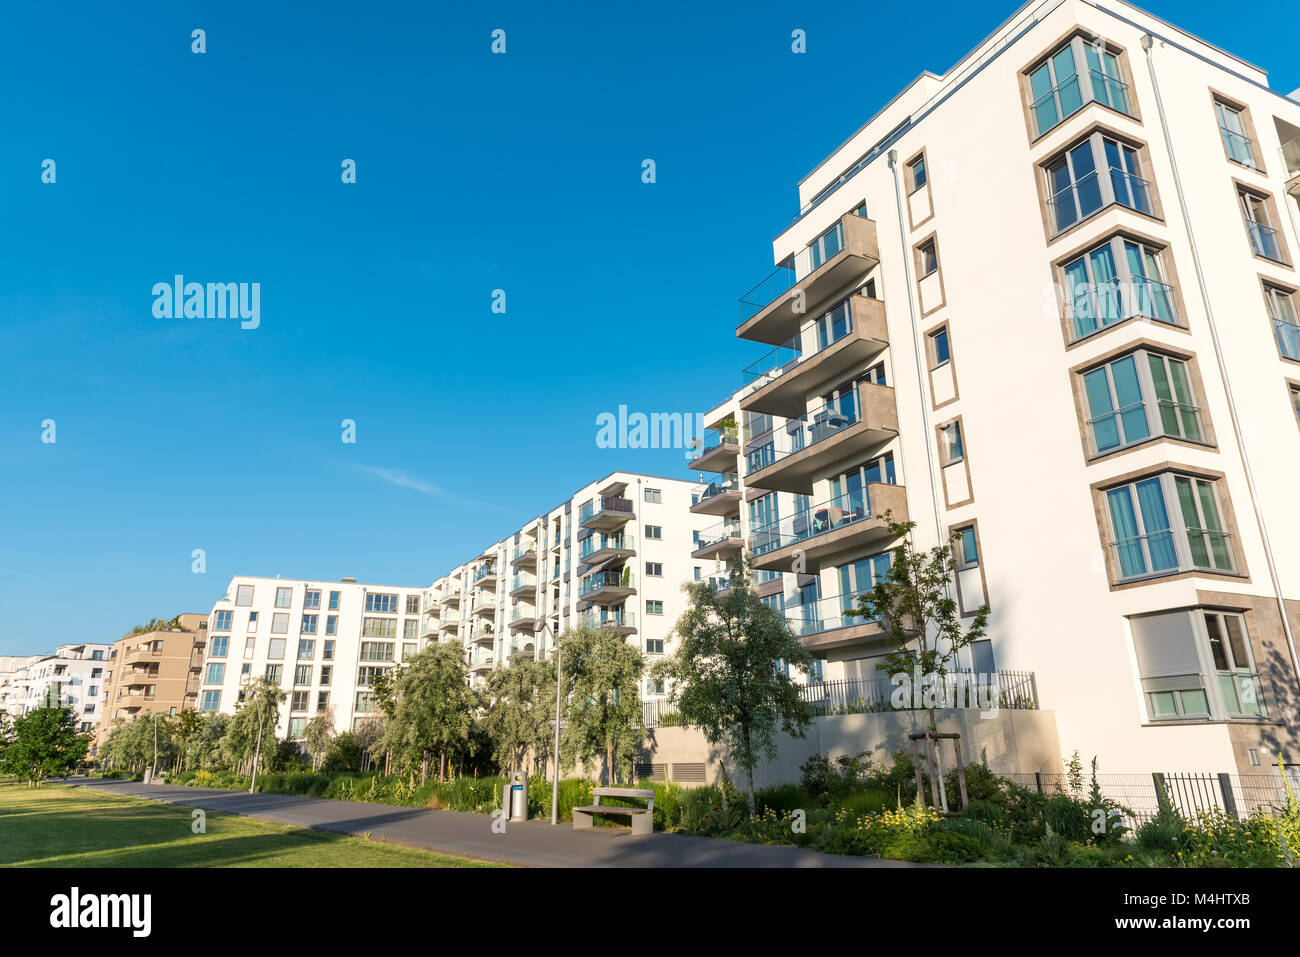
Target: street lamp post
[(257, 752)]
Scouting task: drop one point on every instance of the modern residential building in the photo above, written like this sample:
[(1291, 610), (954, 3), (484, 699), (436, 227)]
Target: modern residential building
[(153, 672), (72, 677), (1046, 303), (614, 555), (322, 642)]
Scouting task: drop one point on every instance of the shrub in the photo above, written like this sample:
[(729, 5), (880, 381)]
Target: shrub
[(782, 798), (1068, 817)]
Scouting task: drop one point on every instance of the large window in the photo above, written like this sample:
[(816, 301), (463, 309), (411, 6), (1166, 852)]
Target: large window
[(211, 701), (1197, 664), (1092, 175), (220, 646), (376, 651), (309, 623), (216, 674), (311, 598), (1138, 396), (244, 595), (221, 620), (383, 604), (1236, 137), (1059, 92), (283, 597), (1256, 211), (1120, 279), (1165, 524), (1286, 328), (379, 627)]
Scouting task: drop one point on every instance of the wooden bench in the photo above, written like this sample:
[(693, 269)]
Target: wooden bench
[(642, 819)]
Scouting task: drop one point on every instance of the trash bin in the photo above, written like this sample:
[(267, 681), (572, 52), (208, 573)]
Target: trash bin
[(518, 797)]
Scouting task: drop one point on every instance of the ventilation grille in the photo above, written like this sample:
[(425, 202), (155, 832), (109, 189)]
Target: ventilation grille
[(692, 773), (651, 772)]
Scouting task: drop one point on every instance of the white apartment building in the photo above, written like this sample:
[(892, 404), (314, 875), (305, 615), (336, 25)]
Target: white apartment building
[(1047, 301), (322, 642), (614, 555), (72, 677)]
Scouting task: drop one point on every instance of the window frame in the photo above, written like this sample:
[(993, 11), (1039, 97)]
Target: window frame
[(1135, 161)]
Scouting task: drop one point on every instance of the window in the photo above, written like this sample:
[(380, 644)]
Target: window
[(245, 673), (302, 675), (654, 607), (1295, 399), (1286, 328), (216, 674), (939, 351), (322, 701), (211, 701), (1197, 664), (252, 621), (98, 672), (1236, 137), (309, 624), (968, 554), (654, 569), (1118, 280), (297, 726), (334, 601), (326, 674), (221, 620), (379, 627), (412, 604), (332, 625), (376, 651), (1139, 396), (273, 673), (306, 648), (367, 675), (654, 531), (916, 173), (329, 651), (244, 595), (383, 604), (283, 597), (654, 646), (654, 496), (952, 447), (311, 598), (250, 645), (220, 646), (654, 686), (411, 628), (1165, 524), (1257, 212), (280, 623), (1076, 191), (1057, 92), (276, 648), (927, 258), (365, 702)]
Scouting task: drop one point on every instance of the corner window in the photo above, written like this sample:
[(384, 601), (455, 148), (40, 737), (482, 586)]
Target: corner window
[(1120, 279), (1059, 92), (1166, 524), (1091, 175), (1138, 396), (1197, 664)]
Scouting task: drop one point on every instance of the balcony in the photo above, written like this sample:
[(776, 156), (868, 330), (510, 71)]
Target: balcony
[(721, 541), (448, 624), (525, 554), (718, 450), (523, 617), (451, 597), (1008, 691), (618, 621), (717, 498), (142, 677), (774, 309), (604, 547), (482, 666), (608, 511), (483, 636), (852, 523), (145, 654), (523, 584), (826, 627), (485, 606), (607, 587), (821, 355), (486, 577), (788, 457)]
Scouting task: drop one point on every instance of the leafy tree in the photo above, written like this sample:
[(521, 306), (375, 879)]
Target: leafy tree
[(319, 735), (602, 675), (187, 728), (344, 754), (204, 748), (158, 624), (130, 744), (6, 734), (730, 675), (44, 743), (914, 603), (520, 708), (428, 705), (259, 708)]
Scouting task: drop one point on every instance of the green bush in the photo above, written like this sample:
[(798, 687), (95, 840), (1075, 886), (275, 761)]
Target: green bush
[(782, 798), (1068, 817)]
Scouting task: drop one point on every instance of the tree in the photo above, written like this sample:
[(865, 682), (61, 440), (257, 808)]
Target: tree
[(260, 708), (6, 735), (188, 727), (429, 707), (520, 708), (729, 674), (319, 735), (914, 603), (130, 744), (44, 743), (602, 683)]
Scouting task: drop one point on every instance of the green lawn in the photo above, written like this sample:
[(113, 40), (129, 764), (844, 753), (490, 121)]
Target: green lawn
[(57, 826)]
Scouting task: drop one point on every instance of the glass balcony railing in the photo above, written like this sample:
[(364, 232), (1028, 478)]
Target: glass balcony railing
[(719, 582), (804, 432), (523, 581), (814, 337), (722, 532), (522, 613), (609, 618), (1163, 552), (826, 614), (523, 553), (1085, 196), (829, 516), (1239, 147), (1288, 338), (607, 503), (596, 543), (782, 279), (603, 580), (716, 438), (1094, 306), (487, 571), (726, 482), (1069, 97), (1129, 425), (1263, 241), (1291, 157)]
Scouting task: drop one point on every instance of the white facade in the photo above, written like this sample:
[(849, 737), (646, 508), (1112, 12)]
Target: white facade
[(1081, 296), (72, 677), (318, 640)]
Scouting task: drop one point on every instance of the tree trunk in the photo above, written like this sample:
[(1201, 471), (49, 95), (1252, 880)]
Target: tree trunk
[(609, 763), (442, 766), (749, 771)]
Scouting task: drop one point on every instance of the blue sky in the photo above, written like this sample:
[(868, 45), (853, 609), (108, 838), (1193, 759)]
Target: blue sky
[(474, 172)]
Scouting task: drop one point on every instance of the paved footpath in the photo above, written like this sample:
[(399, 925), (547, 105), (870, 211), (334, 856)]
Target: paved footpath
[(529, 844)]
